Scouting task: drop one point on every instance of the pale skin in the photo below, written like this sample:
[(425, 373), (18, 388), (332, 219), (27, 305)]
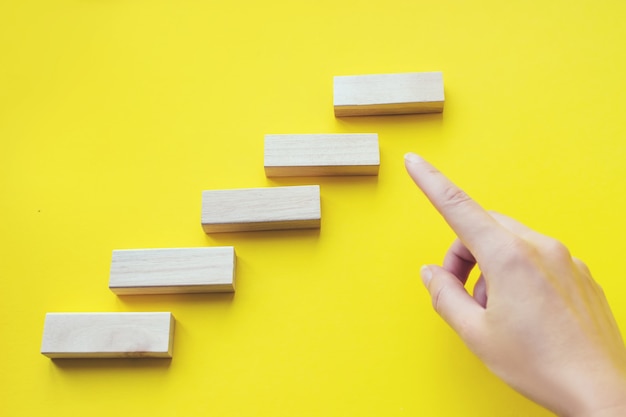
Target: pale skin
[(535, 317)]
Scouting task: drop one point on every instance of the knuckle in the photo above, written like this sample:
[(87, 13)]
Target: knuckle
[(599, 288), (439, 291), (437, 296), (581, 265), (454, 196), (520, 248), (556, 250), (516, 253)]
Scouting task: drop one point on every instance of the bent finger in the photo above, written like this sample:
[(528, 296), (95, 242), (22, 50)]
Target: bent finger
[(452, 302), (459, 261)]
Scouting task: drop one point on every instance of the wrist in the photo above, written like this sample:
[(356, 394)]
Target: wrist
[(599, 393), (617, 411), (611, 403)]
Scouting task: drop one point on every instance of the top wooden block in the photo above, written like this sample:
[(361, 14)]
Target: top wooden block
[(384, 94), (269, 208)]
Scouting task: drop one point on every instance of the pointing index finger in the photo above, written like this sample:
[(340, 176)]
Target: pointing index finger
[(474, 226)]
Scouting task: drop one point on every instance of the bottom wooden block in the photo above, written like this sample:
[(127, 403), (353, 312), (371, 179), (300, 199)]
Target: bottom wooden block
[(108, 335)]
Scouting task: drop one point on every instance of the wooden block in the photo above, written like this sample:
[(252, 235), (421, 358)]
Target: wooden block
[(171, 271), (382, 94), (251, 209), (321, 154), (108, 335)]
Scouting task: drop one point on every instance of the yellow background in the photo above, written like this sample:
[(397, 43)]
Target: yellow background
[(115, 115)]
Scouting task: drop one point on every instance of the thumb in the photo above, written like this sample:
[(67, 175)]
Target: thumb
[(451, 301)]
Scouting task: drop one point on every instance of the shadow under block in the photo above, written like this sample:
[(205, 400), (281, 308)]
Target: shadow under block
[(172, 271), (384, 94), (321, 154), (108, 335), (252, 209)]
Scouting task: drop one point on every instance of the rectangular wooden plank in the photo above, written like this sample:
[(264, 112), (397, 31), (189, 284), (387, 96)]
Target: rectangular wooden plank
[(384, 94), (108, 335), (321, 154), (171, 271), (252, 209)]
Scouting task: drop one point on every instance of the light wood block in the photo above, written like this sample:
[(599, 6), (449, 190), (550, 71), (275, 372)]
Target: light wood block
[(383, 94), (321, 154), (108, 335), (171, 271), (251, 209)]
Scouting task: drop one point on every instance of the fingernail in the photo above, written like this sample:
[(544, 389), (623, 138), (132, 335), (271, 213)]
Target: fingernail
[(426, 274), (411, 157)]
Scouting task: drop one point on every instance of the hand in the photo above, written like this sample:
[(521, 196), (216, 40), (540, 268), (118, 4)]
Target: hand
[(537, 319)]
